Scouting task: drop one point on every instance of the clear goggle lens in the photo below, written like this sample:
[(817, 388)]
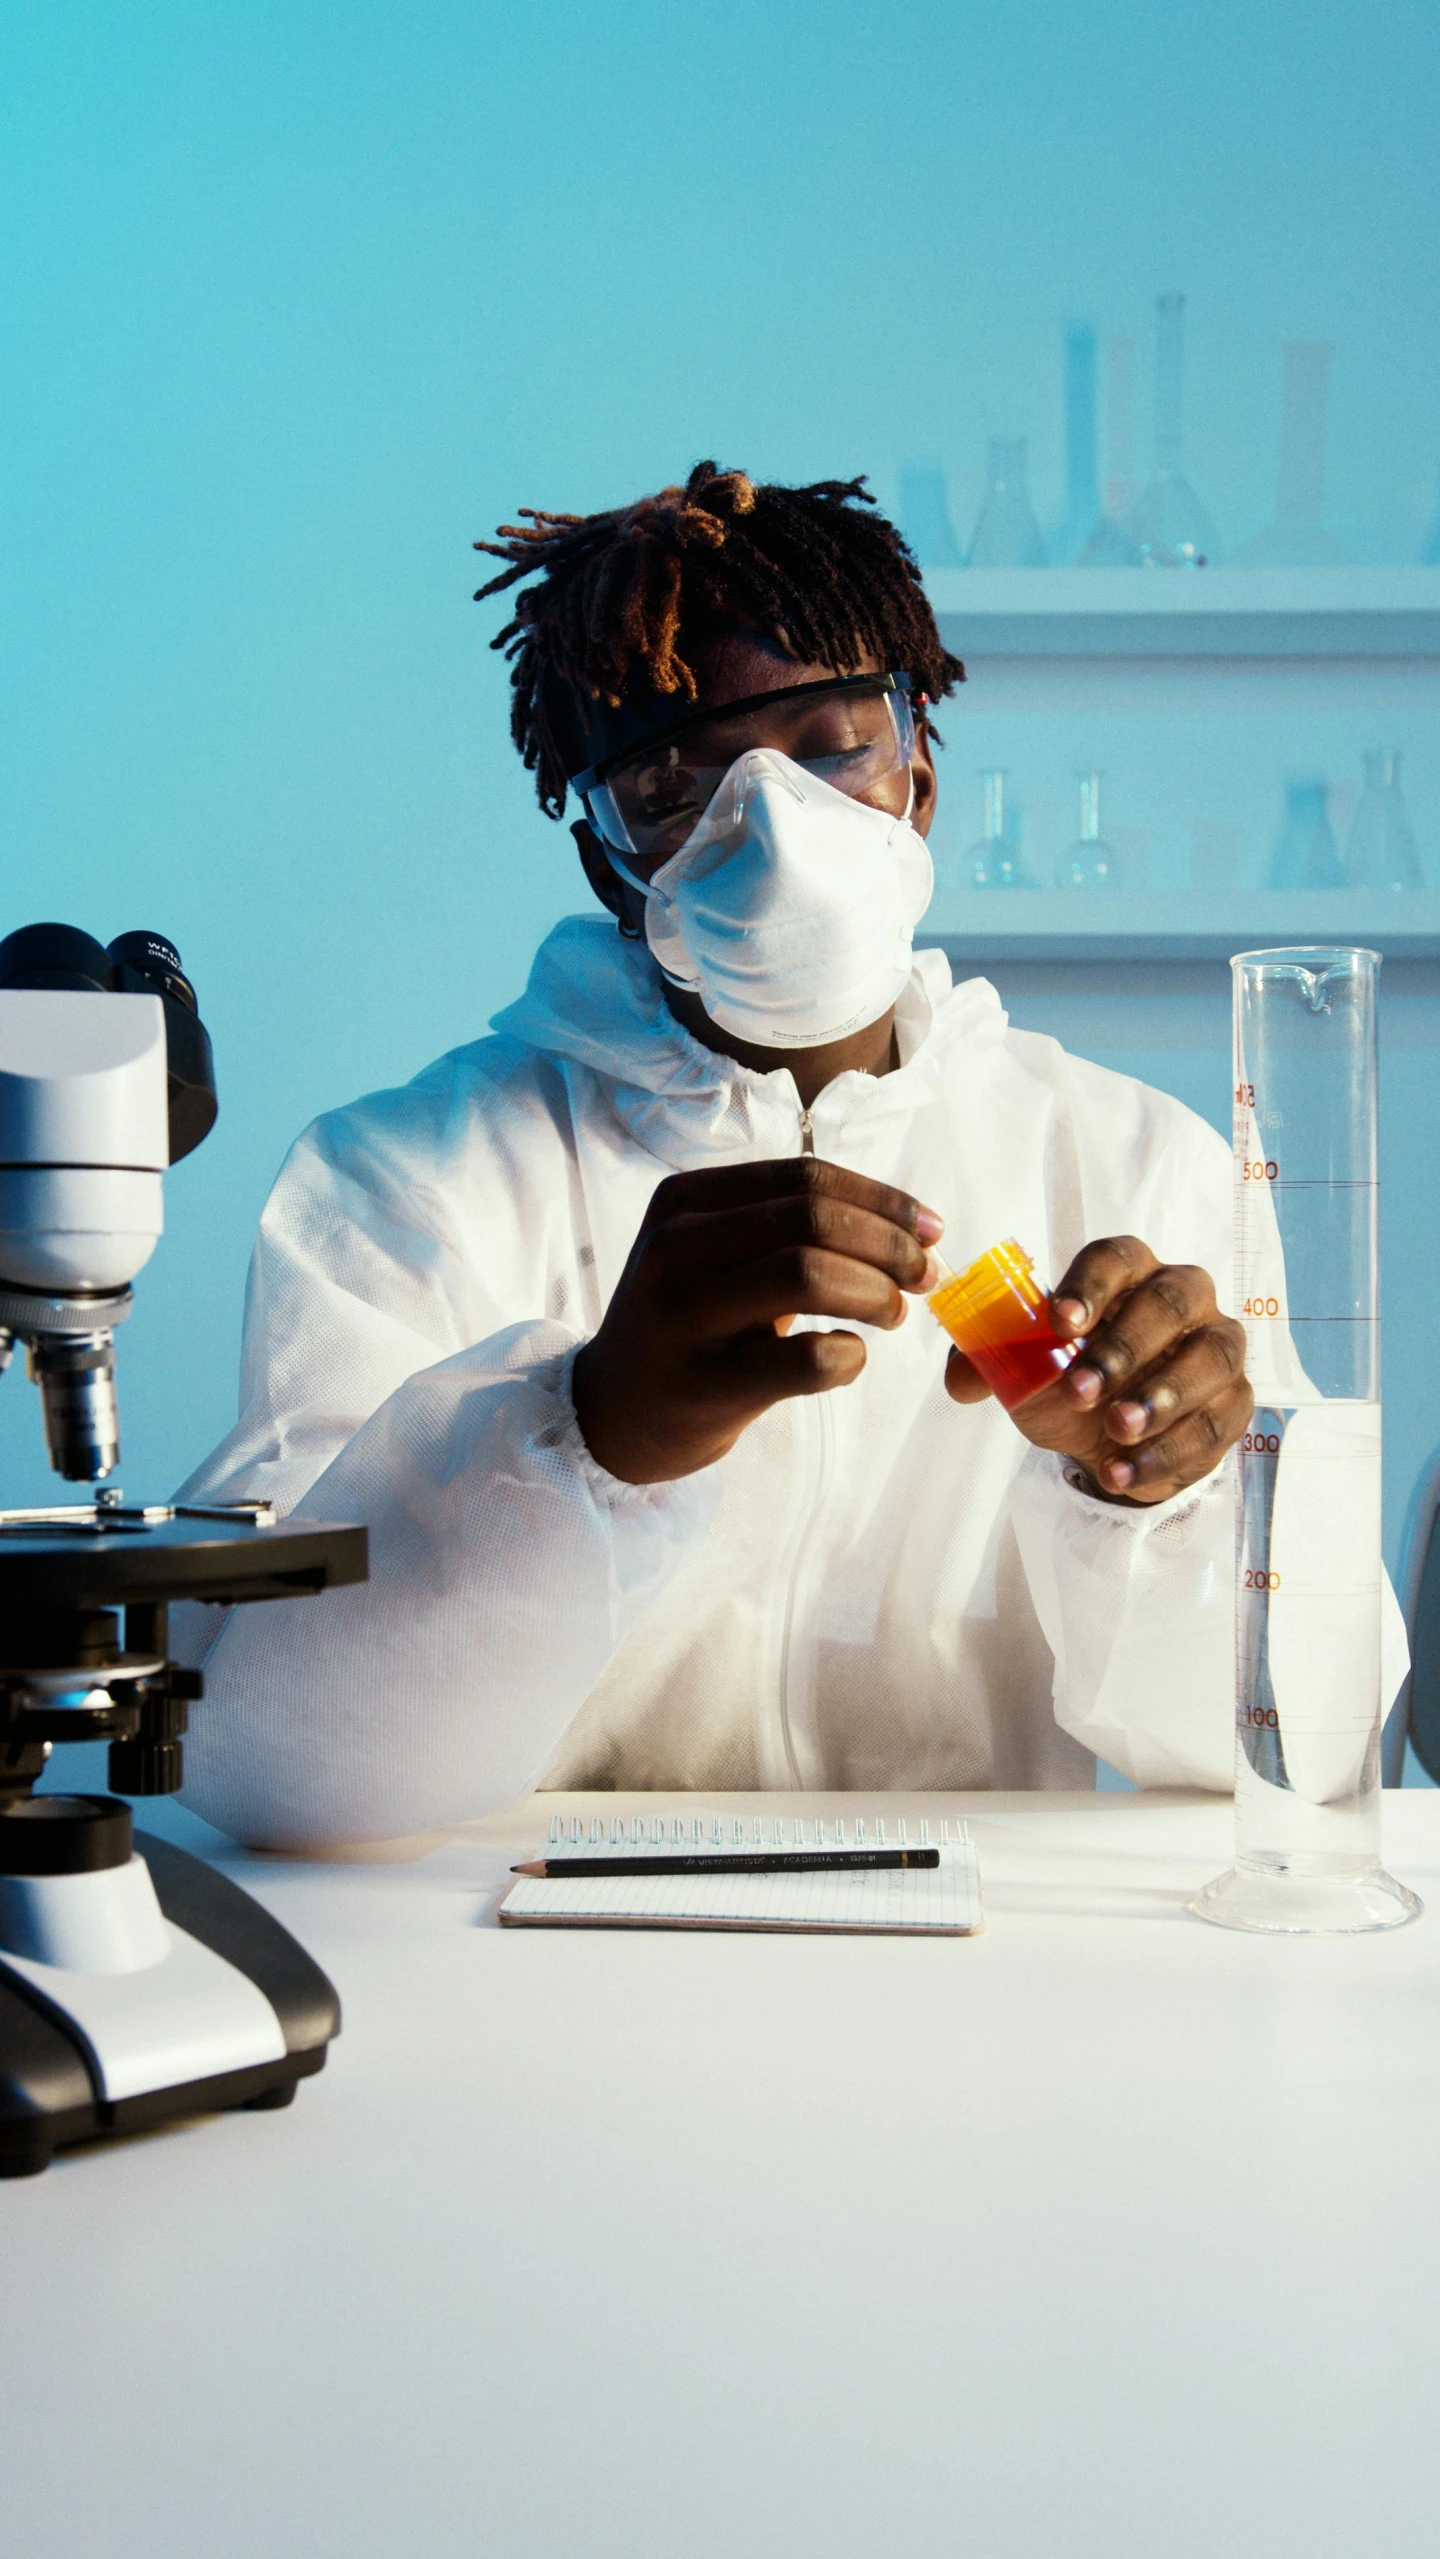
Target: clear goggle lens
[(853, 738)]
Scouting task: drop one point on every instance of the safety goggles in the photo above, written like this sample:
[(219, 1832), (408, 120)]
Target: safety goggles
[(852, 731)]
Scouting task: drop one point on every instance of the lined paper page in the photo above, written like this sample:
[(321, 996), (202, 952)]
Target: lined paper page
[(941, 1900)]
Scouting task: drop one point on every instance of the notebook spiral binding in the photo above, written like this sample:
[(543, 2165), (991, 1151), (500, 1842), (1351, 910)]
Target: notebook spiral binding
[(691, 1832)]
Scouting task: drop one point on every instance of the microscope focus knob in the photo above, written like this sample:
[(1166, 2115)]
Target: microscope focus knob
[(142, 1767)]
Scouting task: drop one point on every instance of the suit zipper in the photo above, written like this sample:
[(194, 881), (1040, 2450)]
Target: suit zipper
[(814, 1418)]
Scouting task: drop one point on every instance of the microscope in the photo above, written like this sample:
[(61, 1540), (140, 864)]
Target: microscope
[(137, 1984)]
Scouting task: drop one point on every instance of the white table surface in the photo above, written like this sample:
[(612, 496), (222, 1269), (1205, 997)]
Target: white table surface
[(1104, 2233)]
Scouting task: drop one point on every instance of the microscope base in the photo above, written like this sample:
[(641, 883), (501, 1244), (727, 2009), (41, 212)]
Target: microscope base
[(51, 2089)]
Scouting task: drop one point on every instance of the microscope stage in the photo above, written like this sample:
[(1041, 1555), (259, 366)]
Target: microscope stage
[(50, 1564)]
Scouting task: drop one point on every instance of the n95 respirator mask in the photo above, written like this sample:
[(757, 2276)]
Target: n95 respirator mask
[(791, 909)]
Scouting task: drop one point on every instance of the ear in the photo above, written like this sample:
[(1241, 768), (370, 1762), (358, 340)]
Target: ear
[(616, 895), (925, 779)]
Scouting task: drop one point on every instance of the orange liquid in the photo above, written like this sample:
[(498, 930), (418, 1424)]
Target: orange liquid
[(1017, 1369)]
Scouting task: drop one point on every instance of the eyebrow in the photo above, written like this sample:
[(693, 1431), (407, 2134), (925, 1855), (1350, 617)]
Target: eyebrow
[(597, 772)]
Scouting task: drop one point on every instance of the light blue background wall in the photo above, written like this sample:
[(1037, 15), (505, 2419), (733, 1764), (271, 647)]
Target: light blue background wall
[(296, 300)]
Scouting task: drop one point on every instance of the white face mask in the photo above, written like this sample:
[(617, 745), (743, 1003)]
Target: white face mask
[(790, 911)]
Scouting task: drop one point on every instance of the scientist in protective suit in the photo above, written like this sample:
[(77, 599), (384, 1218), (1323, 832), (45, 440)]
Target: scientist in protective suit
[(611, 1325)]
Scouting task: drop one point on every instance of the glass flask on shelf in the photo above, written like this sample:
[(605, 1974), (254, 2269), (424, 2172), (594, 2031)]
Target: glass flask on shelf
[(1006, 535), (1381, 852), (1089, 863), (1306, 855), (1170, 527), (994, 863)]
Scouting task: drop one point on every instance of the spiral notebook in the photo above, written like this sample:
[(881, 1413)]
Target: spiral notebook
[(897, 1901)]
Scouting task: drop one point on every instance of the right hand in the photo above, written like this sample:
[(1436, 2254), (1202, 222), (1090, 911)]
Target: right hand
[(694, 1344)]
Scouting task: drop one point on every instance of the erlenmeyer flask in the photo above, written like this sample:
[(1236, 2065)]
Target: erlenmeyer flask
[(925, 516), (1089, 863), (1306, 855), (1006, 535), (1169, 527), (1381, 851), (994, 863)]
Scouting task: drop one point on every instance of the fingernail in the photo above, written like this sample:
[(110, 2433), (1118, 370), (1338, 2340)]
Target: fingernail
[(929, 1225), (1121, 1474), (931, 1276), (1131, 1417), (1071, 1311), (1085, 1384)]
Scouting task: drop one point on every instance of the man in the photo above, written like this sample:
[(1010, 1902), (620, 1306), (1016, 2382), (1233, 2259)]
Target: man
[(611, 1326)]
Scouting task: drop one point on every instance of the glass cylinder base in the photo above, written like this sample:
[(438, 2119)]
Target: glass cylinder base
[(1339, 1900)]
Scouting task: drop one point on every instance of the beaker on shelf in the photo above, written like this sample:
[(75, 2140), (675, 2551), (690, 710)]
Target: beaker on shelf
[(1381, 852), (1306, 855), (1089, 863), (1170, 527), (994, 862), (1006, 535), (1309, 1579)]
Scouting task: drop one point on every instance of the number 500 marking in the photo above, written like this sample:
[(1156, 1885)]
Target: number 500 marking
[(1254, 1170)]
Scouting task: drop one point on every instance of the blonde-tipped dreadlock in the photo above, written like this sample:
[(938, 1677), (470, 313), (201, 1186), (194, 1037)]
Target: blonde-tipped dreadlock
[(812, 568)]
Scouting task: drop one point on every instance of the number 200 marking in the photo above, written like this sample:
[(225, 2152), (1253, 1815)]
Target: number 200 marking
[(1255, 1579)]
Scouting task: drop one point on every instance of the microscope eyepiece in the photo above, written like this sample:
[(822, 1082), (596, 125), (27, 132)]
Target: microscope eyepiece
[(55, 955), (150, 956)]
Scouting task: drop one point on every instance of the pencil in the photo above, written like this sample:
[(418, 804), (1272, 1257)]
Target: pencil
[(726, 1861)]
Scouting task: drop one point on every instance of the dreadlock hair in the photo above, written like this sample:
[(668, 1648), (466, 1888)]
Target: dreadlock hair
[(813, 569)]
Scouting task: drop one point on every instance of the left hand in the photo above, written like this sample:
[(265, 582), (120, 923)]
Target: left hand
[(1159, 1392)]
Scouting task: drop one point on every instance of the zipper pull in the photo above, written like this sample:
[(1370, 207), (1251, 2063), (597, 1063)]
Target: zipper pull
[(807, 1134)]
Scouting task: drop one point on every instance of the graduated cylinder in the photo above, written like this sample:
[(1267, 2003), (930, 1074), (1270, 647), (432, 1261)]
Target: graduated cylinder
[(1309, 1580)]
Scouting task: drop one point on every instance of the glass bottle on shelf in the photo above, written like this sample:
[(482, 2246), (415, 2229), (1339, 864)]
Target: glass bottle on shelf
[(994, 863), (1089, 863), (1381, 852), (1306, 855), (1298, 537), (1109, 545), (1170, 527), (1082, 461), (1006, 535)]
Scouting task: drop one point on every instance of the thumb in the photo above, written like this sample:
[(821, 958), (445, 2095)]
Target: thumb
[(963, 1382)]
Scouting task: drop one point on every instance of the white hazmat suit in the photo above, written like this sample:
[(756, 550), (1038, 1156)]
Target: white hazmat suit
[(875, 1588)]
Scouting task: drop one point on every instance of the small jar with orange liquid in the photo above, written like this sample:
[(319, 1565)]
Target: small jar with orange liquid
[(999, 1316)]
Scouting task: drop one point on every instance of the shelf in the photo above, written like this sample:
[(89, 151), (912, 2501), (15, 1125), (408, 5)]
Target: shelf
[(1225, 613), (1051, 924)]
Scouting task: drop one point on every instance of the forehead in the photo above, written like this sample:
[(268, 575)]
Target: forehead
[(729, 664)]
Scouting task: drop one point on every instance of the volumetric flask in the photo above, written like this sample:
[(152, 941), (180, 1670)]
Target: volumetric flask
[(1309, 1581)]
